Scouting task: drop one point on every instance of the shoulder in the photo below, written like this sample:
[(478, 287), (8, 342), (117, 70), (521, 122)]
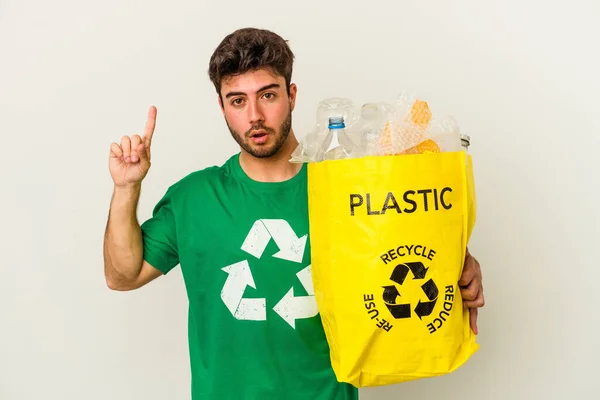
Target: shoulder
[(201, 179)]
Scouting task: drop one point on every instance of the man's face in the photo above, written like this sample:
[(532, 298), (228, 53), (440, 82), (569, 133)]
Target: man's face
[(258, 111)]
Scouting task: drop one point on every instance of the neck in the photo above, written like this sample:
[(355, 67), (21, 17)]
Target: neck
[(276, 168)]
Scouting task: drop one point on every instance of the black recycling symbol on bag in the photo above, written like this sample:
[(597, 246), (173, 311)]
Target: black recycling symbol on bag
[(391, 293)]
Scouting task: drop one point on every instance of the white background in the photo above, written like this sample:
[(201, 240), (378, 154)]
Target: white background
[(521, 77)]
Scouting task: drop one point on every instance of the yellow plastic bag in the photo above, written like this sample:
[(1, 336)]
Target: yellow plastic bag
[(388, 238)]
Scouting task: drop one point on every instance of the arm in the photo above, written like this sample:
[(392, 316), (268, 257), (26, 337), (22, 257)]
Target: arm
[(124, 266), (129, 162)]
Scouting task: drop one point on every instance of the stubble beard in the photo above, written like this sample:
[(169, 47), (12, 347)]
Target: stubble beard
[(262, 151)]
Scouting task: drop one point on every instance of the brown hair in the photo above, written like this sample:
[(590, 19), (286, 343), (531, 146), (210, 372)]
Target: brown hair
[(250, 49)]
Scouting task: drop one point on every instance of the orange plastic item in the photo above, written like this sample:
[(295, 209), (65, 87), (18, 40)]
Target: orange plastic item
[(428, 146), (385, 143), (420, 113), (420, 117)]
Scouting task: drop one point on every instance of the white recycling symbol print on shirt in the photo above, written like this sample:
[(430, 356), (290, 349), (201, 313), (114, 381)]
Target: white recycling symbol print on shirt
[(291, 248)]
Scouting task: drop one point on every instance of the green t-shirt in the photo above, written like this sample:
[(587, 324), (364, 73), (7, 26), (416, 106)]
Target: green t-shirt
[(243, 247)]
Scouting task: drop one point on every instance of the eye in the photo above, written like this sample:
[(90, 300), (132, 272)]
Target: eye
[(237, 102), (269, 96)]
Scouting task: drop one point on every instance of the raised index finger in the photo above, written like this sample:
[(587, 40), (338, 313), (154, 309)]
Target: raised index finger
[(150, 124)]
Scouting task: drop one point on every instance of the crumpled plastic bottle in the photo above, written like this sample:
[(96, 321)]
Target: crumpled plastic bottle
[(377, 129), (335, 107), (337, 144), (373, 117)]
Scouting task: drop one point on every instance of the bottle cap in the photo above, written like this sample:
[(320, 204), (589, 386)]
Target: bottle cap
[(336, 122), (465, 140)]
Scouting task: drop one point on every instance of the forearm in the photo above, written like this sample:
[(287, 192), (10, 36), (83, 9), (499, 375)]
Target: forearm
[(123, 246)]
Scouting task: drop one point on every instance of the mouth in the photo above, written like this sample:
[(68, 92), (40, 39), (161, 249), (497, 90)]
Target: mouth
[(259, 136)]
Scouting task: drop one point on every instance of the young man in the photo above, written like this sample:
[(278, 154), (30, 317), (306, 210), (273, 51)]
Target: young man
[(239, 233)]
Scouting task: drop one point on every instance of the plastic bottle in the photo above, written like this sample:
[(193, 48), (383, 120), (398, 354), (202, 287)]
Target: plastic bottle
[(337, 145), (465, 141), (370, 132), (335, 107)]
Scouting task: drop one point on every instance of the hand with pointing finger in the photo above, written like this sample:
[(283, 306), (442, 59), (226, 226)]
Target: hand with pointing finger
[(129, 161)]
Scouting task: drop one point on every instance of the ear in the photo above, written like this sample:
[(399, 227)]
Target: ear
[(293, 91)]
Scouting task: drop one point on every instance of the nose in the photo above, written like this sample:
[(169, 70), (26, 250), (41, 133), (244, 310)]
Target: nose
[(255, 113)]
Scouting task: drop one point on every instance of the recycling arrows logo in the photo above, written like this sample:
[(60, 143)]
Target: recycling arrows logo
[(291, 308), (291, 248), (232, 293), (392, 296)]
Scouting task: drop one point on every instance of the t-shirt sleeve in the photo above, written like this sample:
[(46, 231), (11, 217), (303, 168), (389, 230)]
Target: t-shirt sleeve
[(159, 236)]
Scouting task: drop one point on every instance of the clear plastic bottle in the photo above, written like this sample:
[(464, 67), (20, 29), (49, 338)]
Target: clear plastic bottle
[(337, 144), (370, 131), (465, 141), (335, 107)]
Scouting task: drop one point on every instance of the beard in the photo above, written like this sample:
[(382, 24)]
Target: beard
[(260, 150)]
